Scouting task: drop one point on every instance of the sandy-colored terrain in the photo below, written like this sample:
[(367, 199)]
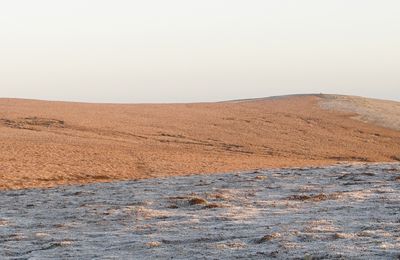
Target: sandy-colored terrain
[(43, 144)]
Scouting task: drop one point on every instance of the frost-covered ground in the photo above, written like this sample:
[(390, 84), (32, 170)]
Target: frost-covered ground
[(385, 113), (343, 211)]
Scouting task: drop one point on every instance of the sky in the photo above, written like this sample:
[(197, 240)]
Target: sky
[(119, 51)]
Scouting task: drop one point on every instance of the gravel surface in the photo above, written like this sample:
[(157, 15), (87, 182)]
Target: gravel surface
[(342, 211)]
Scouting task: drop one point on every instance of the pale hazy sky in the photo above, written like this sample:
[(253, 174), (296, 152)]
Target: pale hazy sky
[(189, 50)]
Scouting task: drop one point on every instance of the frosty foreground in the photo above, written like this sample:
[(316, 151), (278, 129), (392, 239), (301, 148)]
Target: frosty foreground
[(350, 211)]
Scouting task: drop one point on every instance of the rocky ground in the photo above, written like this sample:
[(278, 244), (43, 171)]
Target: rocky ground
[(342, 211)]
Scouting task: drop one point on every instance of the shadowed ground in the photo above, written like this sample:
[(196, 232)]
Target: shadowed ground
[(338, 212), (44, 144)]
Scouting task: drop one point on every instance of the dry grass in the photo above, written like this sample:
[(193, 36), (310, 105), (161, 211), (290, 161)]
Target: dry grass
[(45, 144), (314, 197), (153, 244), (381, 112), (197, 201), (214, 205), (268, 237)]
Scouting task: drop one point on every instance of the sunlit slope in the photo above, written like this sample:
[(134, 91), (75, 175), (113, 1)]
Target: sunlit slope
[(50, 143)]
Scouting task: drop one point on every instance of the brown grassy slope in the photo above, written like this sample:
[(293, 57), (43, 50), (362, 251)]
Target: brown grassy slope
[(44, 144)]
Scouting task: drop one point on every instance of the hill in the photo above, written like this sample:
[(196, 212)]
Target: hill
[(46, 143)]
